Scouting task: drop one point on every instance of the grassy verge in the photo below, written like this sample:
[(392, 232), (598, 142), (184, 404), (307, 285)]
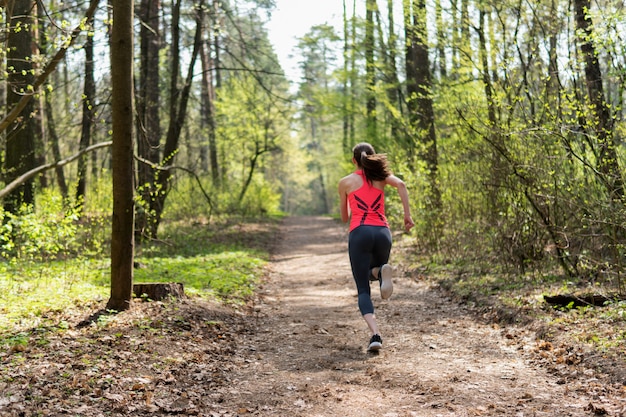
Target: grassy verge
[(223, 260)]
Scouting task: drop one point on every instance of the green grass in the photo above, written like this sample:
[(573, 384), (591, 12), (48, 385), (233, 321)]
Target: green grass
[(32, 291), (230, 274), (223, 261)]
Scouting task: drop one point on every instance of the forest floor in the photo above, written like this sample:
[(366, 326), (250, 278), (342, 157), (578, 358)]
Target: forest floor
[(300, 350)]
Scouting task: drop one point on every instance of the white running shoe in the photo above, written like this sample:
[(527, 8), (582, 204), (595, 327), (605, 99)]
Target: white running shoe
[(386, 285)]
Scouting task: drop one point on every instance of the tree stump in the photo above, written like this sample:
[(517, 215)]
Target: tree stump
[(157, 291)]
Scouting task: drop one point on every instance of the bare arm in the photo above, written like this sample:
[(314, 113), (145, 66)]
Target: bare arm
[(404, 197), (343, 201)]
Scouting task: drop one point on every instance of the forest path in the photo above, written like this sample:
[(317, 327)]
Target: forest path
[(307, 356)]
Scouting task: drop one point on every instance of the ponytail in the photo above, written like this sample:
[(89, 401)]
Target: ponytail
[(375, 166)]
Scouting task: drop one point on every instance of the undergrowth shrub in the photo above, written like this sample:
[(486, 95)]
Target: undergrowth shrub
[(187, 199), (44, 232)]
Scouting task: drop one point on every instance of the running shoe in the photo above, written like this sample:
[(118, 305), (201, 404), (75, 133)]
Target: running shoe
[(376, 343), (386, 285)]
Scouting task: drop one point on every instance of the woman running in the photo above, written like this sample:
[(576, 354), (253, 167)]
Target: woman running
[(362, 201)]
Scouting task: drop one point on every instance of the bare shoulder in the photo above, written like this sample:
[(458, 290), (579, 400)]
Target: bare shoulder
[(350, 183), (394, 181)]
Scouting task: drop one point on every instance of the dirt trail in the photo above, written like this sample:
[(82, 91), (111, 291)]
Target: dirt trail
[(308, 355)]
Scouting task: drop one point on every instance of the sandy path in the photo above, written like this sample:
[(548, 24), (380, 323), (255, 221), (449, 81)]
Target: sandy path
[(307, 355)]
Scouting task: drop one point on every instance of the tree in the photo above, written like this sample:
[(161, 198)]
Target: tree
[(20, 140), (89, 97), (15, 112), (420, 101), (148, 107), (122, 103), (179, 99), (370, 73), (601, 121), (208, 113), (316, 89)]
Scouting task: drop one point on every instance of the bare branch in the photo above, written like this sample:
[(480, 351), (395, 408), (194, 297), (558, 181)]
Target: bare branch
[(168, 168), (49, 69), (28, 175)]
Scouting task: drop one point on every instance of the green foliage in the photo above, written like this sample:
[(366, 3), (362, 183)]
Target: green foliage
[(187, 201), (47, 232), (222, 260), (99, 202)]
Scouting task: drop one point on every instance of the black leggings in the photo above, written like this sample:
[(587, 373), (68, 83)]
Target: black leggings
[(368, 247)]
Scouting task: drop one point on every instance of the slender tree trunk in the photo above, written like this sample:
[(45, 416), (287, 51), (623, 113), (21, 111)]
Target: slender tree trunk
[(441, 44), (353, 77), (216, 83), (122, 104), (20, 140), (89, 95), (553, 88), (148, 107), (253, 162), (208, 114), (370, 73), (52, 138), (39, 43), (54, 145), (178, 111), (345, 81), (217, 24), (455, 31), (608, 163), (389, 57), (419, 100), (494, 137)]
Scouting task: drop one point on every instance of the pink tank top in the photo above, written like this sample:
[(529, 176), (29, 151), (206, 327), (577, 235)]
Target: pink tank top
[(367, 205)]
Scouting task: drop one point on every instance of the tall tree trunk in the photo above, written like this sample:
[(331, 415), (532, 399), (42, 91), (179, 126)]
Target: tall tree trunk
[(52, 138), (39, 43), (493, 136), (441, 36), (122, 105), (370, 73), (89, 96), (178, 111), (607, 160), (217, 24), (148, 106), (208, 113), (19, 102), (389, 55), (353, 78), (455, 25), (419, 100), (345, 98), (20, 140), (54, 145)]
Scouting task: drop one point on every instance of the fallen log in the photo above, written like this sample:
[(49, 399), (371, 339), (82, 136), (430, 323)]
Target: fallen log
[(157, 291), (570, 300)]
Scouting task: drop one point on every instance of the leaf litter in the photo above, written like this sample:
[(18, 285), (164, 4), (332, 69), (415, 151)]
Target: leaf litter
[(298, 349)]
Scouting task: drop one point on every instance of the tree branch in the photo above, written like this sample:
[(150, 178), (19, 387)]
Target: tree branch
[(49, 69), (28, 175), (172, 167)]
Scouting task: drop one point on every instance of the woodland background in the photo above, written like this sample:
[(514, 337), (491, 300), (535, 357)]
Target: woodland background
[(504, 118)]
